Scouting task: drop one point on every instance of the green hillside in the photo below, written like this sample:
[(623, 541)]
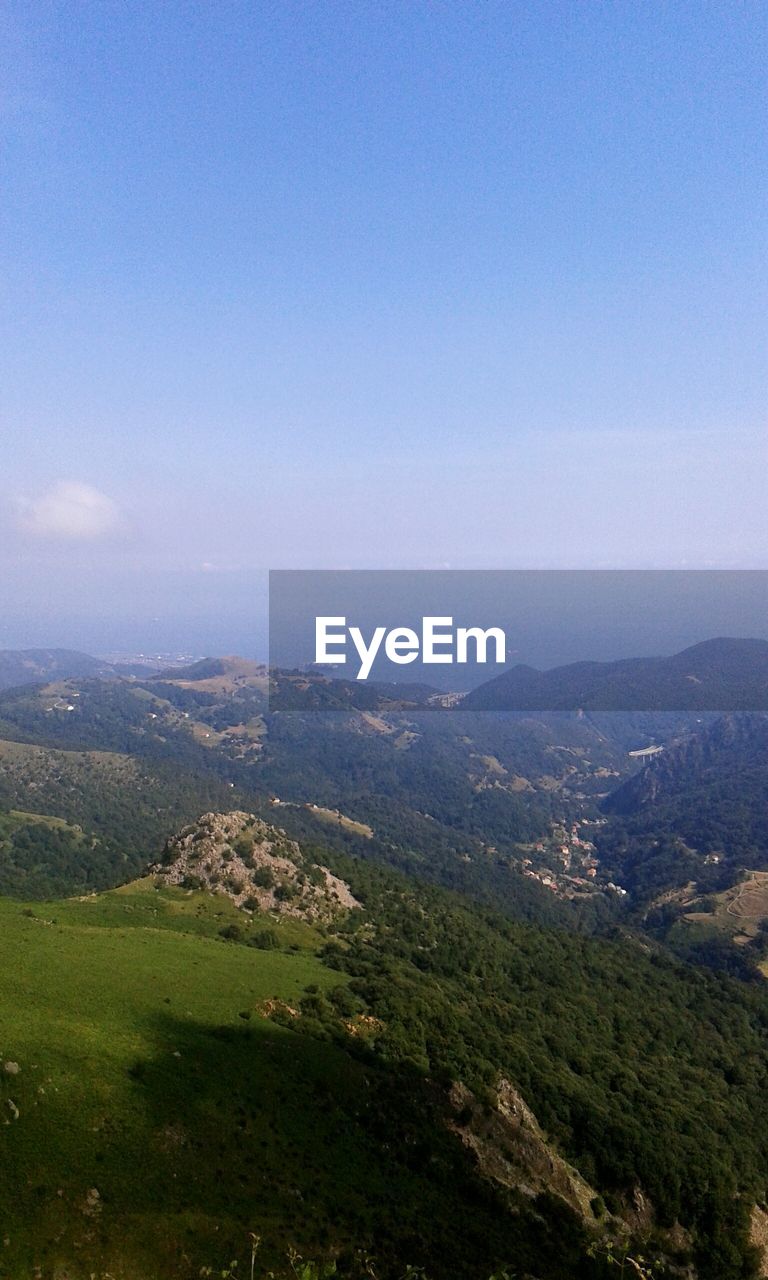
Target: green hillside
[(178, 1073), (154, 1116), (116, 812)]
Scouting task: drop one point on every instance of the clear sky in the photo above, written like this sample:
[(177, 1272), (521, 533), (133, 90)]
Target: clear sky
[(376, 285)]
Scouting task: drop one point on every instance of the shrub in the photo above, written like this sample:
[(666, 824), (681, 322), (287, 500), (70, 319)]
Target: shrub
[(285, 892), (264, 939), (232, 933)]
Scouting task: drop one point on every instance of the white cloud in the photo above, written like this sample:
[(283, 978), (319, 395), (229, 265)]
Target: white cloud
[(70, 509)]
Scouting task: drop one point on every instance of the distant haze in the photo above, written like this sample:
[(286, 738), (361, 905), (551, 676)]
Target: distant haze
[(548, 617), (476, 285)]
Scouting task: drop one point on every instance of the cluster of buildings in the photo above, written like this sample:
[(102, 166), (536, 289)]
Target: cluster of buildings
[(566, 863)]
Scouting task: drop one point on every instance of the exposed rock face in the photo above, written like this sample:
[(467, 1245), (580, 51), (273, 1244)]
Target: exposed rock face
[(255, 865), (733, 743), (511, 1149), (758, 1236)]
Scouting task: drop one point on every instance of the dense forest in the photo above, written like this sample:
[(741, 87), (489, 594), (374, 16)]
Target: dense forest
[(644, 1071), (640, 1045)]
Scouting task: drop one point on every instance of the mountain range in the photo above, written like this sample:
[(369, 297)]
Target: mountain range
[(36, 666), (377, 984), (715, 675)]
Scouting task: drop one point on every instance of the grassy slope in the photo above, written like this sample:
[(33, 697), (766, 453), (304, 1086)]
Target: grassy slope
[(140, 1078), (90, 1012), (128, 805)]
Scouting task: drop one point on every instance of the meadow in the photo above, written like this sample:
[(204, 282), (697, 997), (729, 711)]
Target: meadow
[(153, 1114)]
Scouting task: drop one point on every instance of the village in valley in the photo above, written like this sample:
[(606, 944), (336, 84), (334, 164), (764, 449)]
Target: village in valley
[(566, 863)]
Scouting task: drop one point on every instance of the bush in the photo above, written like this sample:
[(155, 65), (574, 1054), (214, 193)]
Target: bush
[(597, 1205), (344, 1002), (264, 939), (285, 892), (232, 933), (263, 877)]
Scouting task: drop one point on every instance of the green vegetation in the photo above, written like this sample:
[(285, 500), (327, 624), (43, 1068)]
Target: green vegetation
[(190, 1072), (138, 1028), (141, 765), (155, 1116), (706, 795), (645, 1071), (43, 854), (124, 809)]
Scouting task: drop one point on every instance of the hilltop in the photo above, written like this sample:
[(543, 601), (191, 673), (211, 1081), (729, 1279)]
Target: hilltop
[(255, 865), (167, 1089), (715, 675), (413, 1080), (217, 674), (38, 666)]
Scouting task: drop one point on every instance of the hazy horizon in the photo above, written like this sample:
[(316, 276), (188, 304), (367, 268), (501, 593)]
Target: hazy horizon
[(550, 617), (333, 286)]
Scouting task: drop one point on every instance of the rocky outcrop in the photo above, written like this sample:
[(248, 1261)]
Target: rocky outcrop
[(511, 1149), (758, 1236), (254, 864), (732, 744)]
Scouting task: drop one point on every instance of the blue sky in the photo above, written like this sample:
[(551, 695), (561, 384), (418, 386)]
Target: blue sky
[(373, 284)]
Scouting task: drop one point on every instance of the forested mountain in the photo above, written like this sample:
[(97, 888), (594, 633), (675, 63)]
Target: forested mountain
[(75, 821), (697, 812), (449, 795), (415, 1081), (711, 754), (497, 994), (470, 799), (716, 675), (35, 666)]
